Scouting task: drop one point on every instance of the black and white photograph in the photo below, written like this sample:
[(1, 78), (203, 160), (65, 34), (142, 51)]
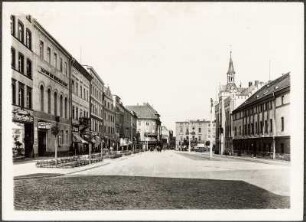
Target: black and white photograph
[(153, 111)]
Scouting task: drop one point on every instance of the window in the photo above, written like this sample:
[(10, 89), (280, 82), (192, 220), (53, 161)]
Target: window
[(256, 127), (55, 60), (76, 88), (73, 86), (29, 97), (21, 94), (66, 68), (29, 68), (41, 98), (55, 103), (49, 55), (49, 101), (200, 138), (13, 25), (66, 136), (14, 91), (61, 64), (261, 127), (200, 130), (41, 50), (283, 99), (283, 123), (65, 107), (266, 126), (81, 91), (28, 39), (20, 31), (73, 112), (20, 63), (13, 58), (235, 131), (61, 105), (77, 113)]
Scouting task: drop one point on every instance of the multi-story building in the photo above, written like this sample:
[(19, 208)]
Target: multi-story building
[(109, 119), (80, 87), (50, 65), (229, 97), (96, 107), (165, 136), (148, 125), (199, 131), (119, 118), (262, 123), (22, 60)]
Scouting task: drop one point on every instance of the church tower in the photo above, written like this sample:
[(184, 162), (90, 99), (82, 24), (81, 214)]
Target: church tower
[(231, 71)]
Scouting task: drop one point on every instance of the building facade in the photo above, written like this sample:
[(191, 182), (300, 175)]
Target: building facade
[(22, 61), (262, 123), (199, 131), (96, 108), (109, 119), (230, 96), (148, 125), (81, 100), (51, 92)]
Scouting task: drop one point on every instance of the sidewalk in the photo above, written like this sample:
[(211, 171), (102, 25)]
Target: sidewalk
[(243, 158), (28, 169)]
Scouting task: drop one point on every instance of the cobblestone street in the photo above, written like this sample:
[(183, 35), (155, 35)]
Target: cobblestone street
[(166, 180)]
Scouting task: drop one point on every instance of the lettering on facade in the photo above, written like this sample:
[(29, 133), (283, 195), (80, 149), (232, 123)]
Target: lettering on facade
[(22, 116), (43, 125), (52, 76)]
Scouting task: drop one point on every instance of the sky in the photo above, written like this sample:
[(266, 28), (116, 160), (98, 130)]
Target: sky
[(175, 55)]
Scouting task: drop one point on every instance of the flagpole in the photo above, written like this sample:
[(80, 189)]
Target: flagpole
[(211, 134)]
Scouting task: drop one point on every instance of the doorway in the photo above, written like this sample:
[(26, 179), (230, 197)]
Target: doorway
[(28, 140), (42, 143)]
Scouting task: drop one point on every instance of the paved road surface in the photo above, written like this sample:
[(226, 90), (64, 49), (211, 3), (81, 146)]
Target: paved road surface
[(172, 164)]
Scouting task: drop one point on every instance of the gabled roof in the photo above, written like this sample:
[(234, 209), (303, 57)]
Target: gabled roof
[(267, 90), (144, 111)]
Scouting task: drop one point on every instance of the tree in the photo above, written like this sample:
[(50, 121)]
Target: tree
[(55, 131)]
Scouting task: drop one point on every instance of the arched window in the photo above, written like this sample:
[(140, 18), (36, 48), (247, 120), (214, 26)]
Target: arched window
[(42, 98), (61, 105), (49, 101), (55, 103), (66, 108)]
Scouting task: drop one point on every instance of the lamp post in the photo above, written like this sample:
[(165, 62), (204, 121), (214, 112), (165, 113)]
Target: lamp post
[(210, 144)]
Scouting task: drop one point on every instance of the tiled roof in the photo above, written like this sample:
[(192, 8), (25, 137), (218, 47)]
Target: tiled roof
[(267, 90), (144, 111)]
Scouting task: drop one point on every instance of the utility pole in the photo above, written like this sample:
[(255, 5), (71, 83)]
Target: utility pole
[(210, 144)]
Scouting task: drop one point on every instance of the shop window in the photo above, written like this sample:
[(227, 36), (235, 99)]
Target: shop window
[(29, 68), (13, 25), (41, 98), (14, 91), (20, 31), (282, 148), (20, 63), (21, 94), (28, 39), (13, 58), (29, 97)]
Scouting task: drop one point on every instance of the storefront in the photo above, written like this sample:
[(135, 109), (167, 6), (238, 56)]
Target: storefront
[(22, 131)]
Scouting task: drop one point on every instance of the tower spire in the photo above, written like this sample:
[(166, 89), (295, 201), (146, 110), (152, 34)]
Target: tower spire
[(231, 71)]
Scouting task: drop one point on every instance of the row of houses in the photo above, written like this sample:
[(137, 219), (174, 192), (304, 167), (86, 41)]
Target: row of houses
[(58, 102), (253, 120)]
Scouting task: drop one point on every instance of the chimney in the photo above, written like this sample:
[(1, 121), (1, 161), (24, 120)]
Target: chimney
[(256, 82), (250, 84)]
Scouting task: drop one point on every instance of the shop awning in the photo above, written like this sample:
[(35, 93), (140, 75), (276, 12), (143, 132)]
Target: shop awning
[(78, 139)]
